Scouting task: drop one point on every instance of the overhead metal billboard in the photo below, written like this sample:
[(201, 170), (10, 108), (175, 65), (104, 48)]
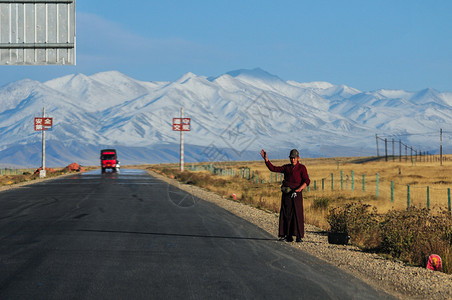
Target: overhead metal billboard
[(37, 32)]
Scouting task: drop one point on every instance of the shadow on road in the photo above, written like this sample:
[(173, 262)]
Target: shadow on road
[(179, 235)]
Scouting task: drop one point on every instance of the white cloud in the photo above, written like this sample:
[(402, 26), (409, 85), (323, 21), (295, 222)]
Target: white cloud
[(98, 37)]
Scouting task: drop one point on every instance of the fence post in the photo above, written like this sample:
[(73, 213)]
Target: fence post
[(315, 185), (364, 183), (332, 182), (428, 197), (271, 177), (448, 197), (257, 178), (353, 181), (378, 179), (408, 197), (392, 191), (342, 180), (323, 184)]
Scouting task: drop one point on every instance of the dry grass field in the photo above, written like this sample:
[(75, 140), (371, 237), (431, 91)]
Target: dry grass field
[(339, 185)]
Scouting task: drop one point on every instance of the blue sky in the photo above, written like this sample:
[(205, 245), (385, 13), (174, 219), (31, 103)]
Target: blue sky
[(367, 45)]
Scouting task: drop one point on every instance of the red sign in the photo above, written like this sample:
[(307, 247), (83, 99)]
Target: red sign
[(43, 123), (181, 124)]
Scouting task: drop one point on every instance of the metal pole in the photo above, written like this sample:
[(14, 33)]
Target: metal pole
[(408, 197), (392, 191), (181, 142), (364, 183), (43, 172), (332, 181), (393, 152), (406, 153), (400, 150), (378, 151), (342, 180), (378, 181), (441, 146), (386, 149), (448, 199)]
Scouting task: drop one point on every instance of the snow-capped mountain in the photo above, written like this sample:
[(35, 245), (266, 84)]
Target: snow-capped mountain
[(233, 116)]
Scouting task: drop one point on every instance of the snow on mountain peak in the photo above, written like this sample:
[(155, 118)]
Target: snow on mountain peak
[(242, 109), (187, 76), (322, 85)]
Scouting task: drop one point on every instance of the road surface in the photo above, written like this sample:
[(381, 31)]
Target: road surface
[(131, 236)]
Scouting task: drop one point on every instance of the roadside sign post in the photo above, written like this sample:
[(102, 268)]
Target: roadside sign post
[(43, 124), (181, 124)]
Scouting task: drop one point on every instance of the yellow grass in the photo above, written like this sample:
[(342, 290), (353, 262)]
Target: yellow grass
[(418, 175)]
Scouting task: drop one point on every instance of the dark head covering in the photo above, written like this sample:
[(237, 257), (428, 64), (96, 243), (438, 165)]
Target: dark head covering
[(294, 153)]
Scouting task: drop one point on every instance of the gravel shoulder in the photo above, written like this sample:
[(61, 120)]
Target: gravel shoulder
[(394, 277)]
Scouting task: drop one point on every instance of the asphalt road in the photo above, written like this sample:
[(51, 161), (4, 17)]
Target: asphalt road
[(131, 236)]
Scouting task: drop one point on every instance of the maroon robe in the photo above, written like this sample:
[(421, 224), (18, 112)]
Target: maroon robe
[(291, 218)]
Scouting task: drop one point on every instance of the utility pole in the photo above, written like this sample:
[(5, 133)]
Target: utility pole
[(181, 124), (378, 151), (393, 153), (441, 146), (42, 173), (386, 149), (181, 142)]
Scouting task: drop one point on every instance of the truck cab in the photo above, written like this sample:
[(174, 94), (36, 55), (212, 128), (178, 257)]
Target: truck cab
[(109, 160)]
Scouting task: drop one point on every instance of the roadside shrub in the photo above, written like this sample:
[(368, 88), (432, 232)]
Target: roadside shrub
[(321, 203), (413, 235), (359, 221)]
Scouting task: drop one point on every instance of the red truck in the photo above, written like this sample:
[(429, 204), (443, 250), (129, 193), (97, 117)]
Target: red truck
[(109, 160)]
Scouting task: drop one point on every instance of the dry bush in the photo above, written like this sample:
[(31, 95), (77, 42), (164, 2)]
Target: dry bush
[(357, 219), (413, 235), (410, 236)]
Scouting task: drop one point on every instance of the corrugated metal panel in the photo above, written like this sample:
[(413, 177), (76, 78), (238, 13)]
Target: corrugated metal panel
[(37, 32)]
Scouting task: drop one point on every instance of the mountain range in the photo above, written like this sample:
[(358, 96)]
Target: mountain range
[(232, 116)]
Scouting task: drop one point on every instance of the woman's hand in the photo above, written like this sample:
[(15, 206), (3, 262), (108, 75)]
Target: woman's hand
[(301, 188), (264, 154)]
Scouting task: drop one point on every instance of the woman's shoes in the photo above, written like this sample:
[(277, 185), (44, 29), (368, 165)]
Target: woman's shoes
[(289, 239)]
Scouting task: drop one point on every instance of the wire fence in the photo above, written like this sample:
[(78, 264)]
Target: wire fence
[(12, 171), (395, 193)]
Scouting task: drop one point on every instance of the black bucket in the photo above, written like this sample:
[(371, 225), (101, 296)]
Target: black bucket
[(338, 238)]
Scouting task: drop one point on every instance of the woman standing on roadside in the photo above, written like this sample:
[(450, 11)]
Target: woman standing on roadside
[(291, 218)]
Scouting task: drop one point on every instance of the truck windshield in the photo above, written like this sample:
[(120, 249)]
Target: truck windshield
[(108, 157)]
